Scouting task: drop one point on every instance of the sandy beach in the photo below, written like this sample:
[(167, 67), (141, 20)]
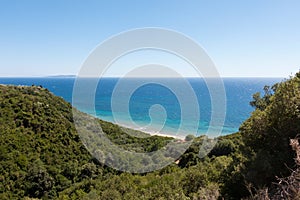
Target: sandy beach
[(152, 133)]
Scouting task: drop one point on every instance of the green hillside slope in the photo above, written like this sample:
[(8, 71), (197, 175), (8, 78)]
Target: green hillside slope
[(40, 150)]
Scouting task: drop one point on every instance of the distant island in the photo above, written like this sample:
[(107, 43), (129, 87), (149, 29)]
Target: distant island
[(61, 76)]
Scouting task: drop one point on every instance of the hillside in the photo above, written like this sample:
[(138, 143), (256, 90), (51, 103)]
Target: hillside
[(42, 155), (40, 150)]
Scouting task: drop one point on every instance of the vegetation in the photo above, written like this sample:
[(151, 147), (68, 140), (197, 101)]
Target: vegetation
[(42, 156), (266, 135)]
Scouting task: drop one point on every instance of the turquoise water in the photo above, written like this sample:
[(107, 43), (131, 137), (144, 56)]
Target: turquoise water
[(166, 116)]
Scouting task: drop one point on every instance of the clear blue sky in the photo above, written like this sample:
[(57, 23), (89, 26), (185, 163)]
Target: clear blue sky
[(244, 38)]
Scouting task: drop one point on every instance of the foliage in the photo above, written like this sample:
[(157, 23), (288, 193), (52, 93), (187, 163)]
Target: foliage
[(267, 133), (266, 154), (286, 188), (261, 103)]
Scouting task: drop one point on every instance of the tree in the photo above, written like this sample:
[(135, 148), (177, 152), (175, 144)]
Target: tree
[(39, 182), (262, 102), (189, 137), (267, 133)]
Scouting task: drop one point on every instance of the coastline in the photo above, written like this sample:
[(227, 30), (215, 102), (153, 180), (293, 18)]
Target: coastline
[(151, 133)]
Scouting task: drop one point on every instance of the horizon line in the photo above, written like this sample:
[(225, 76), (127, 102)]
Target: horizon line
[(75, 76)]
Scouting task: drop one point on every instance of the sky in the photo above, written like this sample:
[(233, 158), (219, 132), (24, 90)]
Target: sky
[(257, 38)]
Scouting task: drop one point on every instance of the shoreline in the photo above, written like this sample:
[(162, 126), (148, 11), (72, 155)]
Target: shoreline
[(152, 133)]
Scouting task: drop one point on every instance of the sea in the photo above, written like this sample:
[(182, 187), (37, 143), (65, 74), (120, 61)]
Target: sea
[(162, 106)]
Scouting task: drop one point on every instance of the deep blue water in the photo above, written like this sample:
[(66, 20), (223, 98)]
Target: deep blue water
[(239, 93)]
